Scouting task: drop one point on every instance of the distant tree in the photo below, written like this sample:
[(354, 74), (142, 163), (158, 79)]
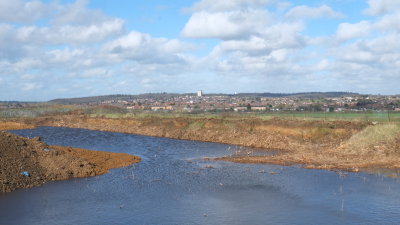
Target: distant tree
[(248, 106), (316, 108)]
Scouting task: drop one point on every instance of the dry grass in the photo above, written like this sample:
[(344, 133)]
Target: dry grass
[(9, 125), (373, 137), (315, 144)]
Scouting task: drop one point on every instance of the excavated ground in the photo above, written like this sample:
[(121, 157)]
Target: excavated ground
[(311, 143), (42, 163)]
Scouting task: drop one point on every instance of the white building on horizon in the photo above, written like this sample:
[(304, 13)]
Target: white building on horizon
[(199, 93)]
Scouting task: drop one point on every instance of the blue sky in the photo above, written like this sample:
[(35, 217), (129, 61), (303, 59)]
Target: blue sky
[(59, 49)]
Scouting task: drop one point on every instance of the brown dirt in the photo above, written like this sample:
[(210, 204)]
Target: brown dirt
[(49, 163), (10, 125), (268, 134), (311, 143)]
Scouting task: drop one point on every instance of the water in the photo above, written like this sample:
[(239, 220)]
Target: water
[(174, 185)]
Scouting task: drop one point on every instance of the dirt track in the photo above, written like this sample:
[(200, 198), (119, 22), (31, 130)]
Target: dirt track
[(43, 163)]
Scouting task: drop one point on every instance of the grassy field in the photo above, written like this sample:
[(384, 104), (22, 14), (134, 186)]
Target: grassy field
[(115, 112), (383, 116), (330, 116), (35, 110)]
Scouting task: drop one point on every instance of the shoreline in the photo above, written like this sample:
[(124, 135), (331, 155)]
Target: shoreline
[(313, 144), (27, 163)]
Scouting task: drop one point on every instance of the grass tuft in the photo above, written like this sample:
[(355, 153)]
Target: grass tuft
[(374, 136)]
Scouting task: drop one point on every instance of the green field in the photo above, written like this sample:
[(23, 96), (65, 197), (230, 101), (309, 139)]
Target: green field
[(115, 112), (382, 116)]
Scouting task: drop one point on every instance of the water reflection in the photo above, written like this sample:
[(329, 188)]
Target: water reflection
[(174, 185)]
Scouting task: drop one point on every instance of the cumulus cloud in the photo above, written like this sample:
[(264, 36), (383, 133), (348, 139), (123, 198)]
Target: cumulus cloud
[(31, 86), (252, 40), (77, 13), (76, 47), (278, 36), (347, 31), (226, 5), (144, 48), (19, 42), (306, 12), (225, 25), (380, 7), (82, 34), (23, 11), (389, 23), (68, 47)]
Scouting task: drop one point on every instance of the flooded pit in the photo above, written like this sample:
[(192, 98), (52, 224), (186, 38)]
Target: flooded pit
[(174, 185)]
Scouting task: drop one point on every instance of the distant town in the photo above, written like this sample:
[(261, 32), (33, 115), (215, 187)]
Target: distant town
[(242, 102)]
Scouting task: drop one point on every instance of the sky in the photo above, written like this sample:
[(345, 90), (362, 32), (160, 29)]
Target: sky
[(63, 48)]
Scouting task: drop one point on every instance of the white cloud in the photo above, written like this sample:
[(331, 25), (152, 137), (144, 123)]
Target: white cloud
[(19, 42), (306, 12), (261, 44), (144, 48), (82, 34), (278, 36), (96, 72), (31, 86), (380, 7), (63, 56), (27, 77), (347, 31), (226, 25), (77, 13), (227, 5), (23, 11), (384, 45), (389, 23), (368, 61)]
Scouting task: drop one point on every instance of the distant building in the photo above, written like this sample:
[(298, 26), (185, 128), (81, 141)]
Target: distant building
[(135, 107), (240, 108), (258, 108), (157, 108), (199, 93)]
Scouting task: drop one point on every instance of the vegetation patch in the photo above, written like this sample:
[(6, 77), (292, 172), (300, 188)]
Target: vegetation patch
[(373, 138)]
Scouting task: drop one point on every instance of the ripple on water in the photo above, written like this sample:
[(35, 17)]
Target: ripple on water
[(174, 185)]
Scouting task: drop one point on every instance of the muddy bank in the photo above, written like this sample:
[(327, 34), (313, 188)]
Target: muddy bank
[(26, 163), (311, 143)]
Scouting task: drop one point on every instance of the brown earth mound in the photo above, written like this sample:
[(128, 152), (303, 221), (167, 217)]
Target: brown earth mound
[(26, 163)]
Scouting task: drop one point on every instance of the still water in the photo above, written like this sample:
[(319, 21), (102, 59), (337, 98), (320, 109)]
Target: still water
[(174, 185)]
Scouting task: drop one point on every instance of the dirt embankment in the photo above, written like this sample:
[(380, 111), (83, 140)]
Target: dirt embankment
[(314, 144), (10, 125), (27, 163), (288, 135)]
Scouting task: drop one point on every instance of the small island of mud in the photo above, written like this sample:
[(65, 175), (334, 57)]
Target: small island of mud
[(26, 163)]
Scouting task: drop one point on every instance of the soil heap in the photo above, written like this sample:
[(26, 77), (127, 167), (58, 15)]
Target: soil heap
[(26, 163)]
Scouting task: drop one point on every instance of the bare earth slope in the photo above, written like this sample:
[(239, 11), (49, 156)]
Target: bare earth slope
[(347, 145), (45, 163)]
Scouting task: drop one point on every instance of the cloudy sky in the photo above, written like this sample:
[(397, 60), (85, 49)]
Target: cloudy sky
[(53, 49)]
